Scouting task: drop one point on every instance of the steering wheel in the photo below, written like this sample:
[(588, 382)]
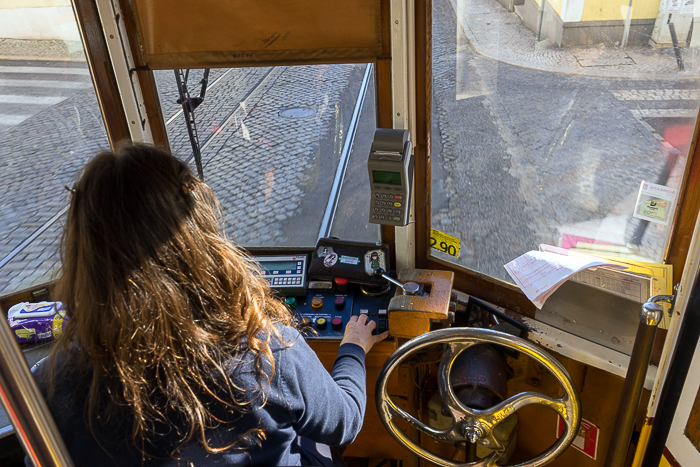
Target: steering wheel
[(471, 424)]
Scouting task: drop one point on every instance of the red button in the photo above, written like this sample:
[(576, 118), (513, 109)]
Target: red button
[(398, 197), (340, 281), (337, 323), (339, 303)]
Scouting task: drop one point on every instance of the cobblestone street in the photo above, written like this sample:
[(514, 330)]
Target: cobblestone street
[(528, 155), (262, 165)]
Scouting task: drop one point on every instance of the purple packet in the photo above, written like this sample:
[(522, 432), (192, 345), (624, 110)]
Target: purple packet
[(37, 322)]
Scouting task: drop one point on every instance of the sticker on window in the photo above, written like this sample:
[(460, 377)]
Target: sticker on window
[(445, 243), (655, 203)]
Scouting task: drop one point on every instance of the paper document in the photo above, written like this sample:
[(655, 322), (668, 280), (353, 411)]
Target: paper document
[(540, 273)]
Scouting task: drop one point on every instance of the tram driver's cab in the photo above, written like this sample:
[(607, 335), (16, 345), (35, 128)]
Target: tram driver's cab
[(315, 123)]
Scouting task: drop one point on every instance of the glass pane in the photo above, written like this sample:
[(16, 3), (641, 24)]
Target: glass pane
[(275, 144), (50, 125), (545, 134)]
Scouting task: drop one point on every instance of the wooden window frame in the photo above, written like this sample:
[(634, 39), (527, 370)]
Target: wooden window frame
[(468, 281), (485, 287)]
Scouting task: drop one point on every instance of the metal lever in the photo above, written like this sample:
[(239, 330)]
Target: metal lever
[(409, 288)]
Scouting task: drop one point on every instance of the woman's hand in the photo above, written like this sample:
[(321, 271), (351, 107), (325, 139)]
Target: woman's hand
[(359, 331)]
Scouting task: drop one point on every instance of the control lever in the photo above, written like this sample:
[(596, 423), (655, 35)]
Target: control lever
[(409, 288)]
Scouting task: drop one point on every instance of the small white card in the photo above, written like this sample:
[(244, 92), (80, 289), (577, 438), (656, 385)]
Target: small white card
[(655, 203)]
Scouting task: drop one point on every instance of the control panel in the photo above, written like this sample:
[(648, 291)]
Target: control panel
[(324, 312), (286, 273)]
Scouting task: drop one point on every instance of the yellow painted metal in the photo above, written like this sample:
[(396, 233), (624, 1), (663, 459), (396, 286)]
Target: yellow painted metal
[(642, 444)]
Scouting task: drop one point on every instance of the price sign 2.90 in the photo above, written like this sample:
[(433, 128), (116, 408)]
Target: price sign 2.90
[(445, 243)]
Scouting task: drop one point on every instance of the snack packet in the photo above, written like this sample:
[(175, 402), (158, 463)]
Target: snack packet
[(37, 322)]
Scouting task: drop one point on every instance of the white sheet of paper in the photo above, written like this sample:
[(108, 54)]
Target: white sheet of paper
[(540, 273)]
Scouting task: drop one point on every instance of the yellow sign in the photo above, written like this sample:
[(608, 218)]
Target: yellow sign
[(25, 333), (445, 243)]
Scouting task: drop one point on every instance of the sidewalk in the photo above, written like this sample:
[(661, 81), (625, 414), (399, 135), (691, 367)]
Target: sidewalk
[(17, 49), (496, 33)]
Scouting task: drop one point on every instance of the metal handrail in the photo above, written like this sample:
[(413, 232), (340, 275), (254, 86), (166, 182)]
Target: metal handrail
[(26, 408), (649, 319)]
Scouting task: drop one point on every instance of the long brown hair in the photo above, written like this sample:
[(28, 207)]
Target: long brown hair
[(159, 298)]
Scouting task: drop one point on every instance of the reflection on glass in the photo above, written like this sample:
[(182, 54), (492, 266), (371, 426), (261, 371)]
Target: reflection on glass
[(273, 140), (544, 133), (50, 125)]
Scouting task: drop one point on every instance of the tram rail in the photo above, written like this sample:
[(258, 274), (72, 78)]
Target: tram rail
[(223, 122), (221, 130)]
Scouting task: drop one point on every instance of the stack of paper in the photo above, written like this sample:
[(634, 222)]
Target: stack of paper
[(540, 273)]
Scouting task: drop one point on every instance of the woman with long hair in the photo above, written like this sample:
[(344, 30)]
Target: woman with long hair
[(176, 351)]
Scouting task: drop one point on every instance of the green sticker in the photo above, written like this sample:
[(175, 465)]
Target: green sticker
[(655, 208), (349, 260)]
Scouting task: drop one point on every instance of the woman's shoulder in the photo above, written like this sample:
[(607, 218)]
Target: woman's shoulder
[(284, 338)]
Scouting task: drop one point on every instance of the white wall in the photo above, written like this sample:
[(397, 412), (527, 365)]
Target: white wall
[(53, 22)]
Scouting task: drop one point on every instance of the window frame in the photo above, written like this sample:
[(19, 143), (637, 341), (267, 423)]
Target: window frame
[(468, 281)]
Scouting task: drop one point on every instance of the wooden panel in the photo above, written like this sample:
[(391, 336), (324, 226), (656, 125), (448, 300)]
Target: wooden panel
[(410, 315), (385, 113), (599, 392), (101, 70), (197, 33), (374, 440), (688, 206), (147, 80), (424, 95)]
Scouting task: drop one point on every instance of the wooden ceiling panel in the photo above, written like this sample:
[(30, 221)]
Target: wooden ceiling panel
[(221, 33)]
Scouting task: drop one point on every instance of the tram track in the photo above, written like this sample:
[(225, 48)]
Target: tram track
[(227, 126), (232, 116), (223, 123)]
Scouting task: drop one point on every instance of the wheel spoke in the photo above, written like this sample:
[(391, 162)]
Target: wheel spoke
[(496, 414), (395, 412)]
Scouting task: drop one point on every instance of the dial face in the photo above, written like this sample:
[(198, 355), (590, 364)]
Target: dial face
[(374, 259)]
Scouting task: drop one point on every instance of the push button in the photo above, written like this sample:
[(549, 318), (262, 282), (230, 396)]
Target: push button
[(339, 303), (337, 323), (321, 323), (341, 283), (381, 325), (305, 322), (291, 302), (317, 302)]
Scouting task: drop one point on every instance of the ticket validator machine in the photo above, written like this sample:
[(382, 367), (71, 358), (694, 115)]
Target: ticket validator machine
[(390, 166)]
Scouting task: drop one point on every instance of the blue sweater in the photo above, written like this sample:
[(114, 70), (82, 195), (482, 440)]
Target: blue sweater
[(302, 400)]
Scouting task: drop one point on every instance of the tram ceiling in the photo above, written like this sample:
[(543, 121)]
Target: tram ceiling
[(210, 33)]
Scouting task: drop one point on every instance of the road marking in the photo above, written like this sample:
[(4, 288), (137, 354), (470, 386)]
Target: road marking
[(664, 113), (44, 69), (44, 84), (656, 94), (43, 100), (13, 119)]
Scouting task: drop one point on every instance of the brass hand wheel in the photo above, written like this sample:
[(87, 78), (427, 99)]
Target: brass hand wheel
[(471, 424)]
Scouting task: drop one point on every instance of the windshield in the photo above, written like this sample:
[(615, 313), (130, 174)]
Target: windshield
[(550, 119)]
